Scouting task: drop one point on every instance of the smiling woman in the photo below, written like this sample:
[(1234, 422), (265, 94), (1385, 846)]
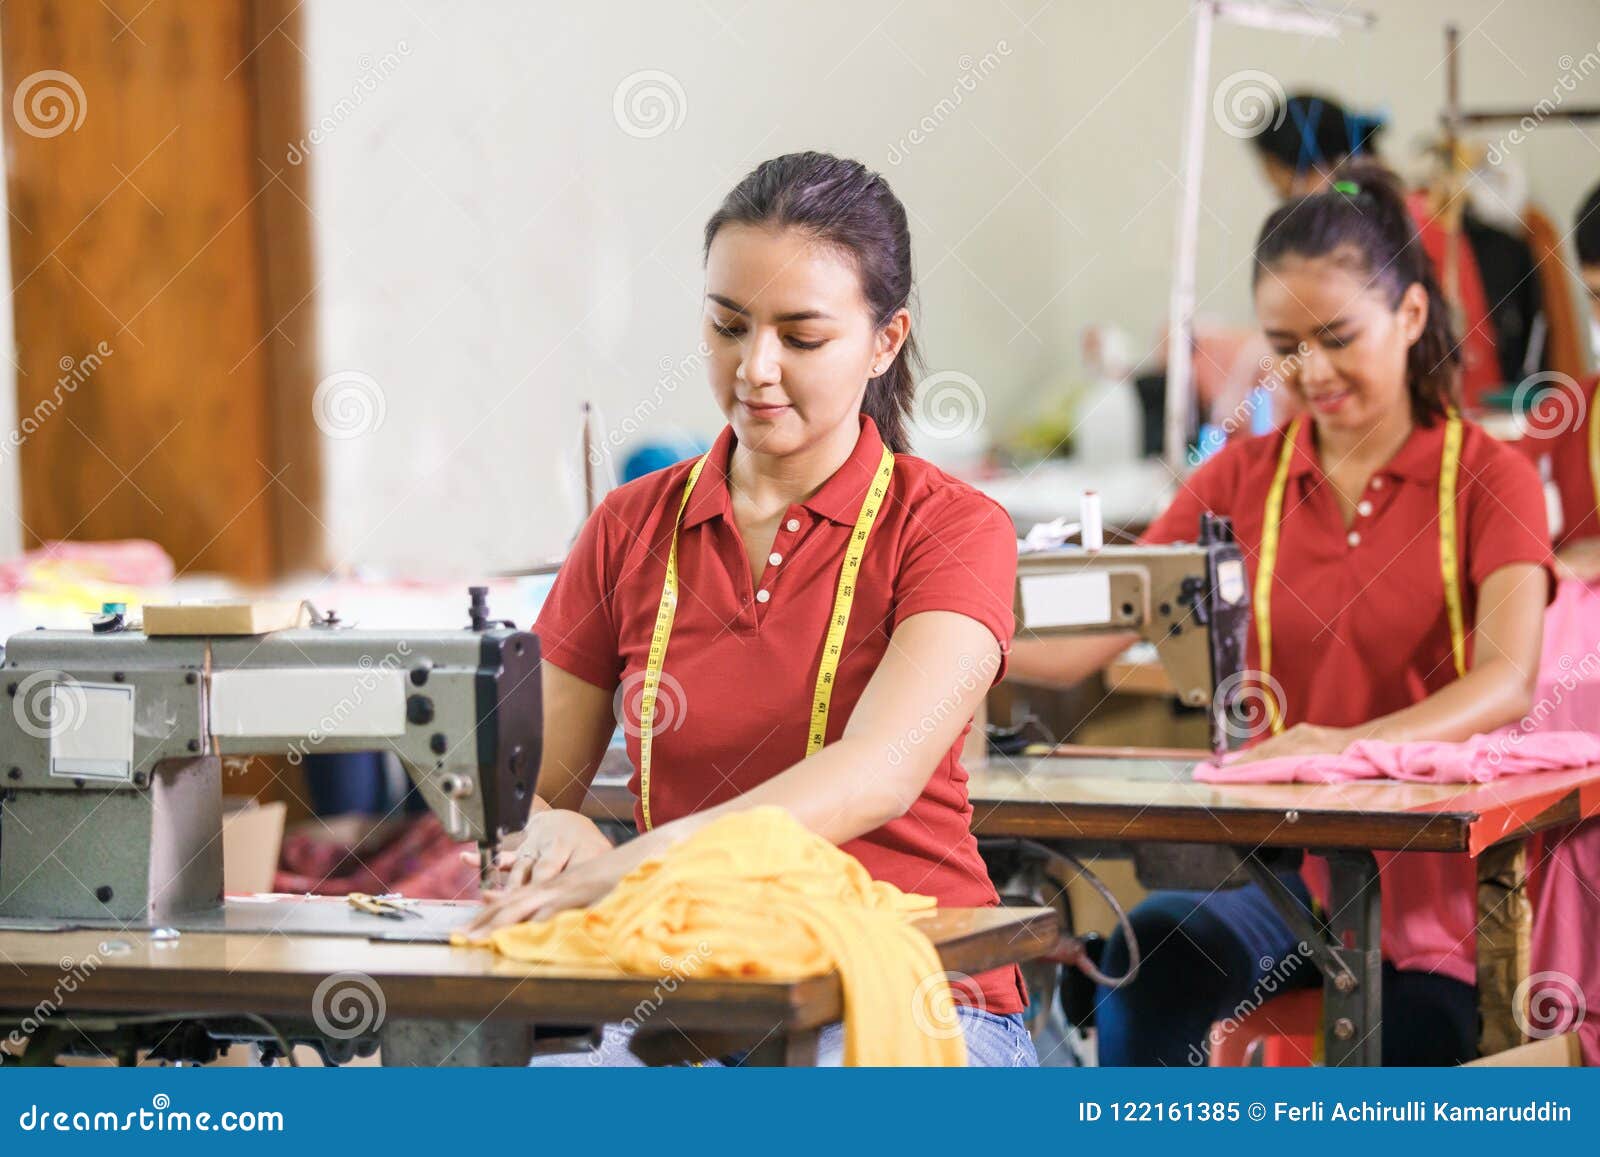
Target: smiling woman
[(1398, 558), (808, 615)]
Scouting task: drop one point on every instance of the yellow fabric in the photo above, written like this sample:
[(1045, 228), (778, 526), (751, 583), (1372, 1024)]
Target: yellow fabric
[(756, 894)]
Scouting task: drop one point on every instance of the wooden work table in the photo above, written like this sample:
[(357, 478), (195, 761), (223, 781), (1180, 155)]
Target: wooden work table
[(1125, 799), (466, 991), (1139, 800)]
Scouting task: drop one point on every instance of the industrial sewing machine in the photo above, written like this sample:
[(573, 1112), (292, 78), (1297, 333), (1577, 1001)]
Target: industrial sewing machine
[(111, 754), (111, 776), (1190, 600)]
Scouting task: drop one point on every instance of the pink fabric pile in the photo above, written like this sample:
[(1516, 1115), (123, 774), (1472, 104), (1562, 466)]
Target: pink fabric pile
[(1479, 760)]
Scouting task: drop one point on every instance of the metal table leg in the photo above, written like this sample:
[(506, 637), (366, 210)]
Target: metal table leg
[(1347, 952)]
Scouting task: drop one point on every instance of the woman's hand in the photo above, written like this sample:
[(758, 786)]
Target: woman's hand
[(576, 887), (1301, 739), (553, 841)]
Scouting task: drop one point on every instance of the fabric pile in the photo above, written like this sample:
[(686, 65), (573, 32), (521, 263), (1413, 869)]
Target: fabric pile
[(1481, 759), (758, 895)]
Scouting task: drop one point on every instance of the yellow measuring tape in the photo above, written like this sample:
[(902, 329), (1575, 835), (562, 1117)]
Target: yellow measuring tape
[(1449, 553), (832, 649)]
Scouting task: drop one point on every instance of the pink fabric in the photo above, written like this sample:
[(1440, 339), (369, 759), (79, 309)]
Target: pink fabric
[(1438, 892), (133, 562), (1479, 760), (1564, 956)]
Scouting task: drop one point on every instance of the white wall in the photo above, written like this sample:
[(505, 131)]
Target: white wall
[(494, 247)]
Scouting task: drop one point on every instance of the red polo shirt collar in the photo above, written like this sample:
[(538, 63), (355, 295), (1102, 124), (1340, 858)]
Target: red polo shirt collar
[(838, 500), (1417, 460)]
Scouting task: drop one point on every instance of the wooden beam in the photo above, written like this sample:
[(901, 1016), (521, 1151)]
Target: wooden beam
[(289, 281)]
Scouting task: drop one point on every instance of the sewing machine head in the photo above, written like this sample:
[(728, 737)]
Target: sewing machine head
[(1190, 600), (111, 756)]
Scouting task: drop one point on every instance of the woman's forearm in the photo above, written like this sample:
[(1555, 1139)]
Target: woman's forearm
[(1487, 697), (846, 790), (1065, 660)]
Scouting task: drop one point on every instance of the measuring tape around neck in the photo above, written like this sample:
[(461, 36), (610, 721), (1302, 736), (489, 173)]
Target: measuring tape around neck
[(1449, 553), (833, 645)]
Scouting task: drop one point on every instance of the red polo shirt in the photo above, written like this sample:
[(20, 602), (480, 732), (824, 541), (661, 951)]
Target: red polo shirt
[(741, 667), (1571, 462), (1358, 615)]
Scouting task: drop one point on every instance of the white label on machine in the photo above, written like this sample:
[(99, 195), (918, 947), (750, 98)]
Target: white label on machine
[(279, 703), (1230, 581), (91, 730), (1066, 600)]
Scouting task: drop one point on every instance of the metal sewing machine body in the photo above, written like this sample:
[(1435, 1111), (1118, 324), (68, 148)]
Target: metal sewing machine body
[(1191, 600), (111, 756)]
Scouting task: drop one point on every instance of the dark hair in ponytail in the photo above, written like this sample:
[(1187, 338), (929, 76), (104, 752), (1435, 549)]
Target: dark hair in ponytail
[(1308, 131), (844, 204), (1361, 221)]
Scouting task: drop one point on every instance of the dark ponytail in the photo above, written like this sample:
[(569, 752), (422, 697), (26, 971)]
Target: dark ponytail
[(843, 204), (1361, 222), (1310, 132)]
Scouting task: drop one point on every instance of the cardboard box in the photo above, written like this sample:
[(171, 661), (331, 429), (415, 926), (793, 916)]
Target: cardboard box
[(224, 618), (1555, 1052), (252, 837)]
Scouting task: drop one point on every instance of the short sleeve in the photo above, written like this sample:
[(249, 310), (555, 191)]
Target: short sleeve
[(1504, 521), (963, 559), (577, 626), (1203, 492)]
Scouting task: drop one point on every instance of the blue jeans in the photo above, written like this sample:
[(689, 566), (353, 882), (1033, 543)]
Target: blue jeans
[(993, 1041), (1211, 956)]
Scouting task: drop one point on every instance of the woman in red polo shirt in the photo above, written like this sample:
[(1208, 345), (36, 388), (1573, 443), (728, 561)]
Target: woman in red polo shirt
[(1398, 564), (808, 273)]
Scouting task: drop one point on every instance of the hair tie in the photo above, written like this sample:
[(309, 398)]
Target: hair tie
[(1348, 188)]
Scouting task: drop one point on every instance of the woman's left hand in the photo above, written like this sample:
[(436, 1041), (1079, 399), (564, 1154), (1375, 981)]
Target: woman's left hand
[(1301, 739), (577, 887)]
